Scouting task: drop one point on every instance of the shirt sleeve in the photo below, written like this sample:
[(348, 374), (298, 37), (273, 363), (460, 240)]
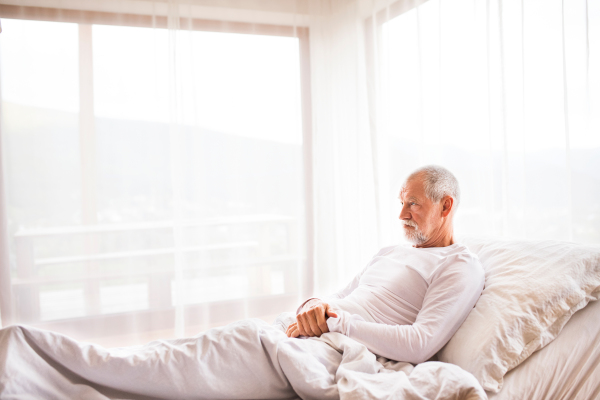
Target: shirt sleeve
[(337, 295), (350, 286), (447, 303)]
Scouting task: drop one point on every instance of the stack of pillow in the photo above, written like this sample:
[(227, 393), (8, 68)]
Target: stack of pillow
[(532, 289)]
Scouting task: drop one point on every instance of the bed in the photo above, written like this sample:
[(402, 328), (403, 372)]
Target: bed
[(248, 359), (568, 368), (532, 335)]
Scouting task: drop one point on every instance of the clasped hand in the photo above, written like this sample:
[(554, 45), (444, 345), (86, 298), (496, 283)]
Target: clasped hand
[(312, 320)]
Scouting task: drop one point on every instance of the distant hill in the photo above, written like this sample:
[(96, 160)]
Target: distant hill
[(221, 174), (538, 188)]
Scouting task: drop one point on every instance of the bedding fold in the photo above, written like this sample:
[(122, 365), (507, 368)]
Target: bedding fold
[(248, 359)]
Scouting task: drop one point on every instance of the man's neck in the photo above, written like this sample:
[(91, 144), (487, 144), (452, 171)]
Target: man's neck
[(443, 239)]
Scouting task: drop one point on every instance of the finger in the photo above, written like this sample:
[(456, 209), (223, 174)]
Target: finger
[(295, 333), (331, 313), (306, 325), (290, 329), (301, 328), (322, 321), (314, 325)]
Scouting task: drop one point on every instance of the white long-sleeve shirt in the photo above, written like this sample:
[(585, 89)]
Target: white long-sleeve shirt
[(408, 302)]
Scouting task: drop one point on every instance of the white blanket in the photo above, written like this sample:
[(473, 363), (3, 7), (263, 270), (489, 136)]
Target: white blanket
[(248, 359)]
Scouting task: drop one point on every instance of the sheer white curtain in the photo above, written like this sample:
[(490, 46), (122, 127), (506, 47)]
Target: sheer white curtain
[(346, 219), (171, 166), (154, 165), (504, 94)]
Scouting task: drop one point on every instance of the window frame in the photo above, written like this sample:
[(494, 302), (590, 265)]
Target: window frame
[(100, 325)]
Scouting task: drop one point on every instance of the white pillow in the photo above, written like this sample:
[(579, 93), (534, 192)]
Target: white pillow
[(532, 288)]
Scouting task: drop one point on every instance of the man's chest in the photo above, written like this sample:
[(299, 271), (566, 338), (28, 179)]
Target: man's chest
[(408, 279)]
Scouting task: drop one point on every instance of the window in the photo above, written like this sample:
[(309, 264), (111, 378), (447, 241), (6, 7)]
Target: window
[(511, 111), (155, 177)]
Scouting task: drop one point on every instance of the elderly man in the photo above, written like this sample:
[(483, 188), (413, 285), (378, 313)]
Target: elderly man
[(405, 305), (408, 301)]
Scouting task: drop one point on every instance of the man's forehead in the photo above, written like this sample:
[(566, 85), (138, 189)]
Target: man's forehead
[(407, 194), (411, 189), (403, 196)]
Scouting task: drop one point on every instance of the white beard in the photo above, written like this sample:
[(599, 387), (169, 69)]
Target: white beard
[(414, 236)]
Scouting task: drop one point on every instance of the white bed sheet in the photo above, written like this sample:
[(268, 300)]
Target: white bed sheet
[(566, 369), (245, 360)]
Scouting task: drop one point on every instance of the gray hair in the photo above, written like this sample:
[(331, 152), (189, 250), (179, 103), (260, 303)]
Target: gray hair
[(438, 182)]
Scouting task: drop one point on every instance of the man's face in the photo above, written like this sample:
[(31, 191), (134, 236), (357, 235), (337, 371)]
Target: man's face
[(421, 217)]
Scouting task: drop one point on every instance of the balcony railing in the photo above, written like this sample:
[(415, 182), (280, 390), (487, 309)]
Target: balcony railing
[(251, 260)]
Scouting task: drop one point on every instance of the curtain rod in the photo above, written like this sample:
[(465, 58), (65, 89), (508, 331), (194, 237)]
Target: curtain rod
[(147, 21)]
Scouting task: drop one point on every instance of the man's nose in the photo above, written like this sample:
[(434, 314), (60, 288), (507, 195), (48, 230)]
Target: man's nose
[(404, 213)]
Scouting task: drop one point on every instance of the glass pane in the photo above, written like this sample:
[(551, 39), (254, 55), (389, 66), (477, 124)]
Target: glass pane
[(40, 135), (40, 102), (194, 158), (494, 110)]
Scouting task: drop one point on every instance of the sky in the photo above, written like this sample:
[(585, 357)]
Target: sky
[(241, 84), (249, 84), (436, 78)]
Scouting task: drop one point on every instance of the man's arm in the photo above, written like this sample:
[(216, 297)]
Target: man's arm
[(306, 319), (313, 301), (447, 303), (312, 315)]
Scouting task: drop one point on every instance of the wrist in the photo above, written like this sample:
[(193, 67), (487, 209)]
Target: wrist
[(311, 303), (343, 323), (308, 304)]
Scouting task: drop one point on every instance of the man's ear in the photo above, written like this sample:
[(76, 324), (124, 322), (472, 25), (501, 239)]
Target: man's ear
[(447, 204)]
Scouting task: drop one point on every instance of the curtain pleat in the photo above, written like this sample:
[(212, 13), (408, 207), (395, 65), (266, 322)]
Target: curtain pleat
[(202, 196)]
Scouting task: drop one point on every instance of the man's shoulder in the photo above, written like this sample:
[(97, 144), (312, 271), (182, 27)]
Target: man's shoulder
[(385, 250), (463, 252), (462, 260)]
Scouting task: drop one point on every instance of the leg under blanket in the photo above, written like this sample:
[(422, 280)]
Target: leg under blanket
[(248, 359)]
